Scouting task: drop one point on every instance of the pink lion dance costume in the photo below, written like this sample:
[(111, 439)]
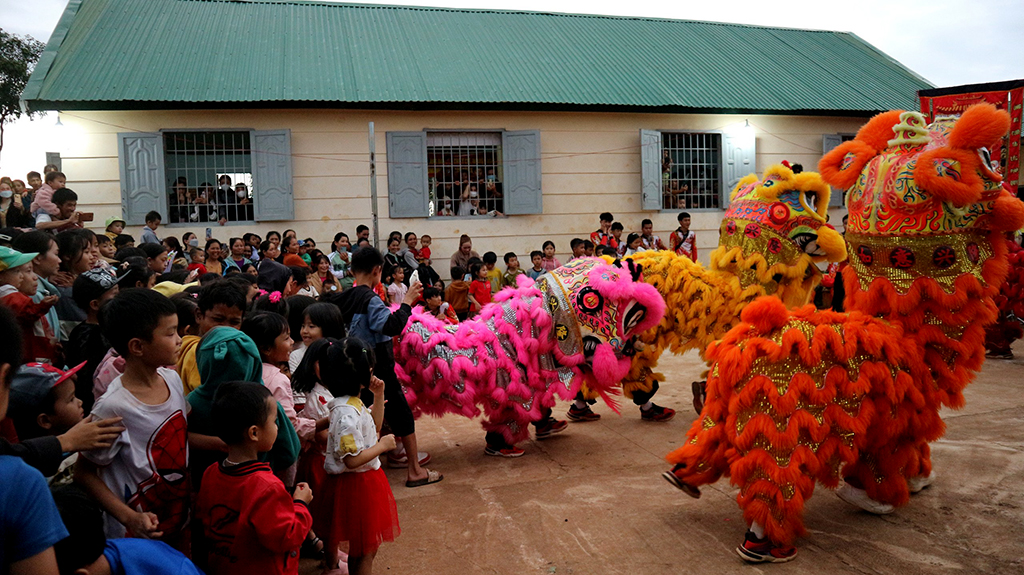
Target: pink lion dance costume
[(531, 345), (801, 397)]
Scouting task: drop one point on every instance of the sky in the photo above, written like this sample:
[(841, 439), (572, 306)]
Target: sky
[(948, 42)]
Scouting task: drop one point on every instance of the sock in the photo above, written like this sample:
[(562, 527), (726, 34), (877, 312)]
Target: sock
[(757, 530), (579, 404), (647, 406)]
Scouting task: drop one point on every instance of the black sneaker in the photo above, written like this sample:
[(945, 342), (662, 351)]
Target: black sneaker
[(756, 550), (551, 427), (657, 413)]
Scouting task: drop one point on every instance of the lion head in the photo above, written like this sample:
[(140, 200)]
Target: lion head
[(776, 230)]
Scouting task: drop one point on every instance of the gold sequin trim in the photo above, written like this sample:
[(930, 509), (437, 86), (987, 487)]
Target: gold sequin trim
[(904, 259)]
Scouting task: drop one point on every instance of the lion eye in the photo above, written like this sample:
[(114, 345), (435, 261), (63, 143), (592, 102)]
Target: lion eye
[(634, 315)]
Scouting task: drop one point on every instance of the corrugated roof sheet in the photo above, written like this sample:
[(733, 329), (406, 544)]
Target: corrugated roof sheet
[(188, 53)]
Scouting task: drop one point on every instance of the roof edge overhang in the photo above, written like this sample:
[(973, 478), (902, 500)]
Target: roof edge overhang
[(983, 87), (126, 105)]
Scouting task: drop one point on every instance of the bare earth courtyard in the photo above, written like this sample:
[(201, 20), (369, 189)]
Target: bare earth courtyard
[(590, 501)]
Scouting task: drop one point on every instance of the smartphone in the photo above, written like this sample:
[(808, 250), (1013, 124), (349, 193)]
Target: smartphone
[(85, 216), (209, 234)]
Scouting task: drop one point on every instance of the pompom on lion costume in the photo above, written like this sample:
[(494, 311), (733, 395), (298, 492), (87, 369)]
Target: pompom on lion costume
[(798, 397)]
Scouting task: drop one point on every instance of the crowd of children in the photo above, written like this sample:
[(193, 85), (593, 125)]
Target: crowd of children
[(226, 405)]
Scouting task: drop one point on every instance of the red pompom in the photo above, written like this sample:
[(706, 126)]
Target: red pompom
[(766, 314)]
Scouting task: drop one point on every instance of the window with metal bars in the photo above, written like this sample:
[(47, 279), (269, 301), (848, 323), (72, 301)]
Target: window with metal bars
[(691, 164), (209, 176), (465, 173)]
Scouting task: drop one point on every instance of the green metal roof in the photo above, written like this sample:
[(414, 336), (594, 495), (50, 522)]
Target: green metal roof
[(217, 53)]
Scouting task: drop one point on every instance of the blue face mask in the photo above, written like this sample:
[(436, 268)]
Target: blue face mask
[(194, 242)]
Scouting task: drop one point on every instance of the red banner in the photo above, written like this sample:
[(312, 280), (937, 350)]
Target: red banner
[(1010, 98)]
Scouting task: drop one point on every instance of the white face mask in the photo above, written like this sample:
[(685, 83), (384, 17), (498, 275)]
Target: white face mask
[(241, 193), (6, 193), (194, 242)]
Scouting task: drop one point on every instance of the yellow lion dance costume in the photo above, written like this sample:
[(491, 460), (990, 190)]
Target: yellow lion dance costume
[(772, 236), (796, 397)]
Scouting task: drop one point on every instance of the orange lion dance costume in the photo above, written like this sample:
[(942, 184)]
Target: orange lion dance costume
[(798, 397)]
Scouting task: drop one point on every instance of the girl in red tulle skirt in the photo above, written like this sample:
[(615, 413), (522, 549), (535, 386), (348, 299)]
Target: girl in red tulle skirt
[(356, 500)]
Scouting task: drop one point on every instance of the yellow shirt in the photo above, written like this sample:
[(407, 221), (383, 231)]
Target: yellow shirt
[(187, 367), (497, 280)]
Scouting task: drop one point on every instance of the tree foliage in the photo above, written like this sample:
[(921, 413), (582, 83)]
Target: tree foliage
[(18, 56)]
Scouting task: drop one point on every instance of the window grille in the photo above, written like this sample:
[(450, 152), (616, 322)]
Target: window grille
[(209, 176), (690, 168), (460, 164)]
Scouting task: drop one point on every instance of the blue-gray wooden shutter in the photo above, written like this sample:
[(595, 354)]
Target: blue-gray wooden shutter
[(828, 142), (407, 174), (521, 158), (272, 175), (144, 185), (738, 159), (650, 169)]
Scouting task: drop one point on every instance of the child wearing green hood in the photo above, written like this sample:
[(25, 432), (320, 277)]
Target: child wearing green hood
[(226, 354)]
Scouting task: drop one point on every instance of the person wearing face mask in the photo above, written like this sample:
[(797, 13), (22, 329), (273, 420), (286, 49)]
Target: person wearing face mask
[(225, 199), (244, 209), (12, 212)]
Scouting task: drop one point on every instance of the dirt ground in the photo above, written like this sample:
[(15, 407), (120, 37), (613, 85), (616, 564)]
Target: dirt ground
[(591, 501)]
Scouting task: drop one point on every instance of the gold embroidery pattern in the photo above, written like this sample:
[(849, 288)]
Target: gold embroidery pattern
[(902, 260)]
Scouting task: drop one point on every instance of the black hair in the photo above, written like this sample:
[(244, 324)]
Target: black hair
[(64, 195), (490, 258), (295, 234), (365, 259), (83, 519), (153, 250), (347, 366), (265, 304), (297, 305), (264, 246), (153, 216), (125, 253), (184, 237), (231, 242), (237, 406), (474, 271), (209, 243), (33, 242), (226, 293), (575, 242), (327, 317), (617, 226), (606, 217), (71, 246), (304, 378), (133, 313), (123, 240), (103, 239), (136, 271), (185, 303), (645, 222), (51, 176), (472, 261), (536, 254), (176, 276), (395, 234), (10, 351), (231, 271), (458, 273), (407, 234), (588, 244), (243, 280), (300, 275), (682, 215), (337, 238), (632, 237), (172, 243), (209, 278), (287, 241), (274, 233), (548, 243), (246, 237), (244, 270), (509, 256), (361, 228), (264, 328), (431, 291)]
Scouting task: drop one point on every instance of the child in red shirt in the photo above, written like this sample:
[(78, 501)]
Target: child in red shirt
[(17, 286), (479, 288), (251, 523)]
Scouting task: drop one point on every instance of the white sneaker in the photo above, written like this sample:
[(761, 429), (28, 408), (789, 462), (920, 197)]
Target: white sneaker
[(916, 484), (859, 498)]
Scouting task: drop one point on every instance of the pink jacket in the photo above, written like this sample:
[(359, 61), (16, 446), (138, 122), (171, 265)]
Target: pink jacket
[(281, 388), (43, 200)]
